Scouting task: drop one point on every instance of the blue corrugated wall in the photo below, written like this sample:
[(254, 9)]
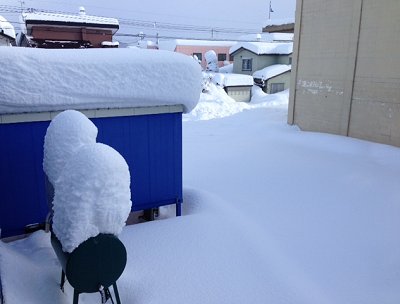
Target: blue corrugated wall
[(151, 145)]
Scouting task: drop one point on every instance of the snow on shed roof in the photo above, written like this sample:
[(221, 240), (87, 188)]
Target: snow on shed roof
[(268, 37), (37, 80), (264, 48), (6, 28), (170, 45), (271, 71), (45, 17), (233, 80)]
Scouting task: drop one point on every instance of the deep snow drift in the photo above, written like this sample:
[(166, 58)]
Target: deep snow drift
[(271, 215)]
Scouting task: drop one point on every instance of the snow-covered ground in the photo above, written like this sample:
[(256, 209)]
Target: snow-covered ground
[(271, 215)]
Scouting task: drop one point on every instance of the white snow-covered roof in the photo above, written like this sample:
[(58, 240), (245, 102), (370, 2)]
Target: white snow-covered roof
[(264, 48), (268, 37), (281, 21), (271, 71), (170, 45), (233, 80), (6, 28), (37, 80), (43, 17)]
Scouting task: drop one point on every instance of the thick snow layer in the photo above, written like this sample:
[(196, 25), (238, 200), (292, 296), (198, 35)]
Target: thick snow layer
[(271, 71), (170, 45), (226, 68), (67, 132), (6, 28), (232, 80), (92, 195), (268, 37), (81, 18), (264, 48), (34, 80), (271, 214)]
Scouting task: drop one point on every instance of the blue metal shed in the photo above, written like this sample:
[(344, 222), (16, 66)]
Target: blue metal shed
[(149, 138)]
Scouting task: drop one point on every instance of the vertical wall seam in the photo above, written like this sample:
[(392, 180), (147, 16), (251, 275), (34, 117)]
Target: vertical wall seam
[(297, 32), (355, 68)]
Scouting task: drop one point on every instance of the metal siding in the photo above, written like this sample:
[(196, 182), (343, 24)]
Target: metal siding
[(151, 145), (22, 199)]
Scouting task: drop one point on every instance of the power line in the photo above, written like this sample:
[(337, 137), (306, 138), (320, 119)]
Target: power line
[(144, 24)]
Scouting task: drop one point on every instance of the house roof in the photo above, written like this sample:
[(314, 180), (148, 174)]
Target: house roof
[(6, 29), (170, 45), (271, 71), (264, 48), (283, 21), (81, 20)]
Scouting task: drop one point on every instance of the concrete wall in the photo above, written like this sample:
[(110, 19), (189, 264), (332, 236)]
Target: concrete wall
[(259, 61), (345, 73), (282, 78)]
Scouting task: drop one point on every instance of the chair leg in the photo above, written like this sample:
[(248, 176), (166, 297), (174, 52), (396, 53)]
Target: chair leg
[(116, 293), (76, 297)]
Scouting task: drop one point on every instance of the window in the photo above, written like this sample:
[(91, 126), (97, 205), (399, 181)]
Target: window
[(290, 60), (230, 58), (221, 57), (198, 55), (247, 64), (277, 87)]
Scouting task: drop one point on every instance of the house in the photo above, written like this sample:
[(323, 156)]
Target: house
[(253, 56), (237, 86), (7, 32), (346, 67), (51, 30), (198, 48), (279, 26), (274, 78)]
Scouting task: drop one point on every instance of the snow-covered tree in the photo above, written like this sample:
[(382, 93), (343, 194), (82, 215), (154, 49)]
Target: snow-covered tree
[(212, 61)]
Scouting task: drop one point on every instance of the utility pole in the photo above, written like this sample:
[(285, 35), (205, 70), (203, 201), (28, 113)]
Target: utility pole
[(270, 10)]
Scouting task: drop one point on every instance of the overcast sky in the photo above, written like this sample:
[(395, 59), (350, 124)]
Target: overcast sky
[(237, 14)]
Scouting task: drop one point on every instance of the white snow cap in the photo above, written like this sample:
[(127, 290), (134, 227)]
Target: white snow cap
[(6, 28), (232, 80), (92, 196), (67, 132), (35, 80), (264, 48), (271, 71)]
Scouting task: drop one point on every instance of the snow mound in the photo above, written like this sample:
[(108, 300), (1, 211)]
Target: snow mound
[(34, 80), (6, 28), (271, 71), (67, 132), (92, 195)]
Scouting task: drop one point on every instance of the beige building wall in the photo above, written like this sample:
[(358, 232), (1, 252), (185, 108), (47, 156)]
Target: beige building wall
[(346, 69)]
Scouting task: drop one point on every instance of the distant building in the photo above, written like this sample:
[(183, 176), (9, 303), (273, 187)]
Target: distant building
[(274, 78), (199, 48), (346, 69), (279, 26), (7, 32), (50, 30), (237, 86), (253, 56)]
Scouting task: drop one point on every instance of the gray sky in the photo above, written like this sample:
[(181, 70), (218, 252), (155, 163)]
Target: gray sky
[(246, 15)]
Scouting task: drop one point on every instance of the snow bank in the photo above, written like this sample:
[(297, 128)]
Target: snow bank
[(92, 195), (67, 132), (34, 80), (271, 71), (265, 48), (226, 68), (6, 28)]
